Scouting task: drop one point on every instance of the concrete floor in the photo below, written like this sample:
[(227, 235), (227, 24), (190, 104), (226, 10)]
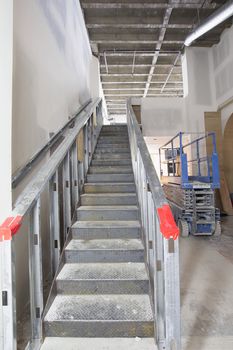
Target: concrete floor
[(206, 265)]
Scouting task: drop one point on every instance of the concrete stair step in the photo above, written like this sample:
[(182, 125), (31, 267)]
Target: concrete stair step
[(104, 250), (114, 137), (111, 140), (109, 162), (103, 278), (114, 127), (113, 146), (107, 150), (107, 212), (111, 169), (109, 199), (110, 178), (112, 156), (98, 315), (106, 229), (108, 187), (65, 343)]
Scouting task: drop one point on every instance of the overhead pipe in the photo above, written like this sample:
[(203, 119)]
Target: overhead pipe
[(219, 16)]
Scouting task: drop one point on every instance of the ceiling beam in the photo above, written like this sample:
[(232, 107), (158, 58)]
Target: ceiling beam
[(162, 33), (141, 89), (137, 53), (138, 65), (134, 75), (133, 42), (139, 82), (137, 26), (170, 73), (147, 6)]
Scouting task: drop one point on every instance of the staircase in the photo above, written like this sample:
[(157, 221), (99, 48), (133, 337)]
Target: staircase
[(102, 288)]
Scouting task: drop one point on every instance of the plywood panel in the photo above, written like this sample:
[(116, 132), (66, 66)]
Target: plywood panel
[(228, 153), (137, 111), (80, 145), (213, 123)]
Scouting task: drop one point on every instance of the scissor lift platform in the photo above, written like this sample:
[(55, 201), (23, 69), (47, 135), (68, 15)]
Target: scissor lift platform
[(189, 182)]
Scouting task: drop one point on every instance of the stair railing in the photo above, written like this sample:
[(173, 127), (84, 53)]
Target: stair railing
[(160, 235), (63, 176)]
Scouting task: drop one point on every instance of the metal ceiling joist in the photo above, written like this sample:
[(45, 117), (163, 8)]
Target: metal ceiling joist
[(134, 75), (133, 42), (162, 33), (139, 82), (136, 65), (147, 6), (137, 26), (170, 73)]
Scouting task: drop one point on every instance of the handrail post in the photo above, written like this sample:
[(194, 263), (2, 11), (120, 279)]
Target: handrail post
[(55, 245), (66, 195), (35, 276), (7, 256)]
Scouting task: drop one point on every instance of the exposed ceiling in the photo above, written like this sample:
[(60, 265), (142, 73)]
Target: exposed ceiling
[(139, 44)]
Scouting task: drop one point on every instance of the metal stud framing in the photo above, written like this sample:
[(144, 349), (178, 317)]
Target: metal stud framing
[(162, 254), (28, 206)]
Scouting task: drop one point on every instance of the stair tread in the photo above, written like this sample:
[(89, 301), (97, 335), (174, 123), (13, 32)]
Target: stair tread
[(103, 271), (107, 223), (109, 183), (105, 244), (119, 194), (107, 207), (100, 307)]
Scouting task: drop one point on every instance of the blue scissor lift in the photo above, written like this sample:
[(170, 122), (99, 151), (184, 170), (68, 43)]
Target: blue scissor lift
[(190, 176)]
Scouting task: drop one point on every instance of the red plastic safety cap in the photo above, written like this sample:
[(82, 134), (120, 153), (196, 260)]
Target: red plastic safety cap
[(10, 227), (168, 226)]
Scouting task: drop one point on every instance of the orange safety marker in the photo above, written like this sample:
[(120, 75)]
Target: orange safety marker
[(168, 225), (10, 227)]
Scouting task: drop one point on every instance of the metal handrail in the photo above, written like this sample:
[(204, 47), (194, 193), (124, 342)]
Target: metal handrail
[(160, 234), (27, 198), (19, 175), (62, 176)]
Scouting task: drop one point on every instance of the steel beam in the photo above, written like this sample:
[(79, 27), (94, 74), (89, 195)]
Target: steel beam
[(170, 73), (139, 82), (137, 26), (137, 65), (135, 74), (133, 42), (162, 33), (146, 6), (121, 53)]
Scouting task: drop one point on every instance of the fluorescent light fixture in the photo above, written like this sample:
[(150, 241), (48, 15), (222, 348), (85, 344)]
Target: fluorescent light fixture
[(223, 13)]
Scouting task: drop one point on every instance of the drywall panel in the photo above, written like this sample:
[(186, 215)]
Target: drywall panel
[(162, 116), (6, 47), (54, 73), (222, 58), (52, 63)]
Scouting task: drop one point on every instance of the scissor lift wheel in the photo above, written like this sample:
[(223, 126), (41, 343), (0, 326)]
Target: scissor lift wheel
[(184, 228), (217, 231)]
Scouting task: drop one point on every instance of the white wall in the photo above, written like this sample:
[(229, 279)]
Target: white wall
[(6, 47), (54, 73), (222, 60), (162, 116), (52, 65)]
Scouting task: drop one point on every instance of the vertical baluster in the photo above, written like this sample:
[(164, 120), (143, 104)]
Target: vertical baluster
[(172, 294), (159, 293), (66, 195), (86, 150), (35, 275), (55, 245), (74, 170), (7, 260)]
